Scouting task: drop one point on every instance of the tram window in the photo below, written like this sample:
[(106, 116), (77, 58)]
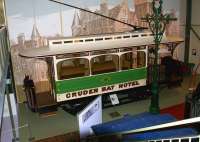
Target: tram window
[(108, 58), (88, 40), (57, 42), (118, 37), (68, 41), (135, 35), (144, 35), (126, 36), (72, 68), (98, 39), (108, 38), (127, 61), (133, 60), (76, 41), (141, 59), (104, 64)]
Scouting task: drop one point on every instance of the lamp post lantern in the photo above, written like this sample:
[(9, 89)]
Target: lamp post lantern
[(157, 22)]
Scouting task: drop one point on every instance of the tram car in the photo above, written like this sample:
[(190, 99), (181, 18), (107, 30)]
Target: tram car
[(86, 66)]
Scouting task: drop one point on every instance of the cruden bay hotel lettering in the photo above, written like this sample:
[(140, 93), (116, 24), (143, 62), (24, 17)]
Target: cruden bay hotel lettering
[(105, 89), (82, 93)]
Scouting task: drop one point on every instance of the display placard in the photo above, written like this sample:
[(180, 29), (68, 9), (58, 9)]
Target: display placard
[(91, 115), (114, 99)]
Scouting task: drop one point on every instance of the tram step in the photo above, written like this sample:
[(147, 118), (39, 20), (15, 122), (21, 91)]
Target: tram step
[(47, 110)]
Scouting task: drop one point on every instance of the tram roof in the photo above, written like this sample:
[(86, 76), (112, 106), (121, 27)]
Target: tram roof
[(47, 52), (100, 35)]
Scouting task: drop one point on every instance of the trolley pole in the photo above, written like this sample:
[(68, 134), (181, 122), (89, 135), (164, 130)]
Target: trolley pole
[(157, 23)]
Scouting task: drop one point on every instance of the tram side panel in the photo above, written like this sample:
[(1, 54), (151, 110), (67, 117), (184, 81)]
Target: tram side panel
[(100, 84)]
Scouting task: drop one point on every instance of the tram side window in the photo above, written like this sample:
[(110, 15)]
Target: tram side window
[(104, 64), (141, 59), (127, 61), (72, 68), (132, 60)]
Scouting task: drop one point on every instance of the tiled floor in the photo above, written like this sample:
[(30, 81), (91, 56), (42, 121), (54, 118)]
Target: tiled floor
[(64, 122)]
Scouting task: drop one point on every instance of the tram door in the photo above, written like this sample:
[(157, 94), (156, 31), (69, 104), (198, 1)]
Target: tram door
[(40, 94)]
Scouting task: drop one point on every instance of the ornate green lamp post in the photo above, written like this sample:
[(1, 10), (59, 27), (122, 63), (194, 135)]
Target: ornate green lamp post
[(157, 23)]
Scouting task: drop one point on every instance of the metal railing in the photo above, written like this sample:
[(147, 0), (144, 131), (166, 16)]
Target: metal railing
[(181, 139)]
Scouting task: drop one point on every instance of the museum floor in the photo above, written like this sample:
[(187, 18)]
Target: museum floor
[(63, 122)]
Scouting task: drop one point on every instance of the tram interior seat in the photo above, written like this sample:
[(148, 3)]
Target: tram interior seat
[(107, 66), (73, 71), (126, 65)]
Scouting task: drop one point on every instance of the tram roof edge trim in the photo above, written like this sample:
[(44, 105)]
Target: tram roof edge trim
[(46, 51)]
